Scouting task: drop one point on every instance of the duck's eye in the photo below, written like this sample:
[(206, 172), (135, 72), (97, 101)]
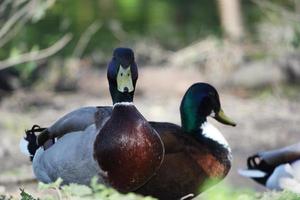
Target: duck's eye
[(128, 74), (121, 74)]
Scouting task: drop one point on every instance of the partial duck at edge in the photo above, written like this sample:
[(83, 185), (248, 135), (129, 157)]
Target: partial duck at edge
[(277, 169)]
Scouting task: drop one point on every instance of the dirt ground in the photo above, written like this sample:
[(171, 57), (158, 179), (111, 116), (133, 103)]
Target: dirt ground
[(264, 121)]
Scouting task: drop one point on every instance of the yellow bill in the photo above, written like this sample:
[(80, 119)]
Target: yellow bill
[(221, 117)]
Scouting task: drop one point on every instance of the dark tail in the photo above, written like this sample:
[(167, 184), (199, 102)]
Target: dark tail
[(31, 138)]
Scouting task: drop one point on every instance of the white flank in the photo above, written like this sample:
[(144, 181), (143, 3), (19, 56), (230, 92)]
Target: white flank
[(251, 173), (24, 147), (292, 182), (124, 104), (213, 133)]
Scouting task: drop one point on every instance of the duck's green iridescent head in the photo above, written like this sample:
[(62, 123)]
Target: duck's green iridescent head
[(200, 101), (122, 74)]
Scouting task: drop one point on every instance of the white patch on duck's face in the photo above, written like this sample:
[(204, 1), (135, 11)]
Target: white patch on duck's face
[(209, 131), (124, 79)]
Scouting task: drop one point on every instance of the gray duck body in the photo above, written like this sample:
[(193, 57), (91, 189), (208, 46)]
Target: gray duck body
[(71, 157)]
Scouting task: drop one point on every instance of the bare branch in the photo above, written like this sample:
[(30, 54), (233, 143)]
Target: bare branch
[(14, 31), (85, 38), (37, 55), (11, 21)]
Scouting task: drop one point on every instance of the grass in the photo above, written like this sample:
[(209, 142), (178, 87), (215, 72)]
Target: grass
[(82, 192), (55, 191), (225, 192)]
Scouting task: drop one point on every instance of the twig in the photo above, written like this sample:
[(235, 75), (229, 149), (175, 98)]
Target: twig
[(58, 193), (37, 55), (85, 38), (14, 31), (11, 21)]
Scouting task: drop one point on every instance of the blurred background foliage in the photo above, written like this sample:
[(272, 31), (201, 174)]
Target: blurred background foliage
[(248, 47), (172, 23), (34, 30)]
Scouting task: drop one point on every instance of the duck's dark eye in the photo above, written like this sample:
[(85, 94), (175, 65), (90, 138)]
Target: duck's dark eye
[(121, 74), (128, 74)]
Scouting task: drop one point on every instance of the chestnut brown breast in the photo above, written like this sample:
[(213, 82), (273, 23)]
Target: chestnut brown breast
[(187, 167), (128, 149)]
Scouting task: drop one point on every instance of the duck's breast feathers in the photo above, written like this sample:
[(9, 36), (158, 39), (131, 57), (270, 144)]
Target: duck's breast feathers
[(210, 156), (128, 149), (188, 164)]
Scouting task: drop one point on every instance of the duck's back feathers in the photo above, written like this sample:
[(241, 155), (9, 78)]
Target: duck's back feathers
[(76, 120), (188, 163), (102, 115)]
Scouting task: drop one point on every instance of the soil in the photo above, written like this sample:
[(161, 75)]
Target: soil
[(263, 121)]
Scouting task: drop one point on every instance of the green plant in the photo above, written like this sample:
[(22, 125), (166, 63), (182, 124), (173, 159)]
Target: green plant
[(82, 192), (98, 191)]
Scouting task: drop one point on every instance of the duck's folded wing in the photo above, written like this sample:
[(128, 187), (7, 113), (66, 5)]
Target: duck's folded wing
[(169, 134), (280, 156), (77, 120)]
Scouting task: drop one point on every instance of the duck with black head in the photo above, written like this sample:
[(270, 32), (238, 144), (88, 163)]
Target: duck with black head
[(127, 148), (116, 142)]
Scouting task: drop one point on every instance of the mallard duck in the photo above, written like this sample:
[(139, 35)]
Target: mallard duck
[(195, 153), (277, 169), (116, 142)]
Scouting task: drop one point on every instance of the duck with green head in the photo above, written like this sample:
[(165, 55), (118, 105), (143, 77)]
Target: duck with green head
[(195, 153), (116, 143)]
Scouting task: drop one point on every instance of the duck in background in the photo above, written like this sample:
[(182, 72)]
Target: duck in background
[(116, 142), (277, 169), (195, 153)]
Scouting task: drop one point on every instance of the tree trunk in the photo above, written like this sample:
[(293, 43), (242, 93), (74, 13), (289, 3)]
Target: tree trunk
[(231, 18)]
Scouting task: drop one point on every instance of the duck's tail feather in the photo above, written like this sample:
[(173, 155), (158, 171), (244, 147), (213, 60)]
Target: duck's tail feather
[(28, 144), (252, 173)]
